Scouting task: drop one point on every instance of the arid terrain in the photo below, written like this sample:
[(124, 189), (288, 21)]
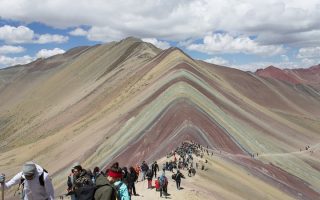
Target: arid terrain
[(129, 101)]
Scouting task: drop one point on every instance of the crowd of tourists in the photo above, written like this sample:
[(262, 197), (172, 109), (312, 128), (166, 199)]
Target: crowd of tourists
[(113, 183)]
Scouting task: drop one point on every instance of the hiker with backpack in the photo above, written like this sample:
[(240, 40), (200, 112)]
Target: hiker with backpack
[(163, 183), (111, 187), (34, 180), (178, 177)]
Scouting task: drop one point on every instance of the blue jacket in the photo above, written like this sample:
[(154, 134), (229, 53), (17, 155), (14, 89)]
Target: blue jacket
[(123, 191)]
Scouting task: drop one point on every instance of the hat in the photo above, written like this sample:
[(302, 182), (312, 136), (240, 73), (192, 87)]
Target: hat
[(114, 174), (29, 168)]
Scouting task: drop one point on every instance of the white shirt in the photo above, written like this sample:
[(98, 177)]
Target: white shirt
[(32, 188)]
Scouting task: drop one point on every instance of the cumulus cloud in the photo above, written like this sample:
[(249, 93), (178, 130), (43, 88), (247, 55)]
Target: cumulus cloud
[(157, 43), (78, 32), (48, 38), (217, 61), (175, 20), (7, 49), (45, 53), (23, 34), (6, 61), (20, 34), (225, 43), (311, 52)]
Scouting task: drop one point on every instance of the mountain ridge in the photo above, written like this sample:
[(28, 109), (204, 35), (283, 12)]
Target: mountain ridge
[(129, 101)]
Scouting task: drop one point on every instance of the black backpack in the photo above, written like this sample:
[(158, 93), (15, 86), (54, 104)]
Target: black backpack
[(41, 179)]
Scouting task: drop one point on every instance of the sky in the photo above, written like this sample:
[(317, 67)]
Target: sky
[(243, 34)]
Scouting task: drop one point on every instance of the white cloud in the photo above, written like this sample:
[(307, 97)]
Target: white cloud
[(157, 43), (225, 43), (284, 58), (217, 61), (78, 32), (311, 52), (23, 34), (7, 49), (48, 38), (45, 53), (11, 61), (104, 34), (20, 34)]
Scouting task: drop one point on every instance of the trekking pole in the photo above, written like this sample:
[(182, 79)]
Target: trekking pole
[(2, 191)]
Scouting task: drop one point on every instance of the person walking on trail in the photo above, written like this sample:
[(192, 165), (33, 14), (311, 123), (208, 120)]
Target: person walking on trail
[(149, 175), (132, 179), (138, 170), (163, 182), (178, 177), (111, 187), (144, 169), (35, 181), (155, 168)]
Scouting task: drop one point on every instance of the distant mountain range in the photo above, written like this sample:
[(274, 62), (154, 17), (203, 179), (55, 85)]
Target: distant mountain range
[(129, 101)]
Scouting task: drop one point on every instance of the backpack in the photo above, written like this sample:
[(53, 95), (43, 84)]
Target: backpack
[(87, 192), (162, 181), (174, 176), (41, 179)]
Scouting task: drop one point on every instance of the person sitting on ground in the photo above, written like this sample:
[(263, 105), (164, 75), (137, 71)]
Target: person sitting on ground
[(35, 181)]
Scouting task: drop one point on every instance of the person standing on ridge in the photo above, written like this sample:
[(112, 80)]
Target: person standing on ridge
[(35, 182), (155, 168)]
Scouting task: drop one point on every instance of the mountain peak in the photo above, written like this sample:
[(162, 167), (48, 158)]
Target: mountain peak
[(131, 39)]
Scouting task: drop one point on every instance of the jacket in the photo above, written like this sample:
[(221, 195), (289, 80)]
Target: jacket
[(104, 189), (32, 189), (122, 191)]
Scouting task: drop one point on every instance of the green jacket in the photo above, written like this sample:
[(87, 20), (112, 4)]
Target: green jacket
[(105, 190)]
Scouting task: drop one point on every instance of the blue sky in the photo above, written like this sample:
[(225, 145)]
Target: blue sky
[(239, 34)]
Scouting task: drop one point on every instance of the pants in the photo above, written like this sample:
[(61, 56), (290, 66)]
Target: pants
[(149, 184), (155, 173), (178, 184), (163, 190), (132, 189), (143, 175)]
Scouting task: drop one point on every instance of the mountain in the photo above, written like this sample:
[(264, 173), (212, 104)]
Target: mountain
[(129, 101), (309, 76)]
